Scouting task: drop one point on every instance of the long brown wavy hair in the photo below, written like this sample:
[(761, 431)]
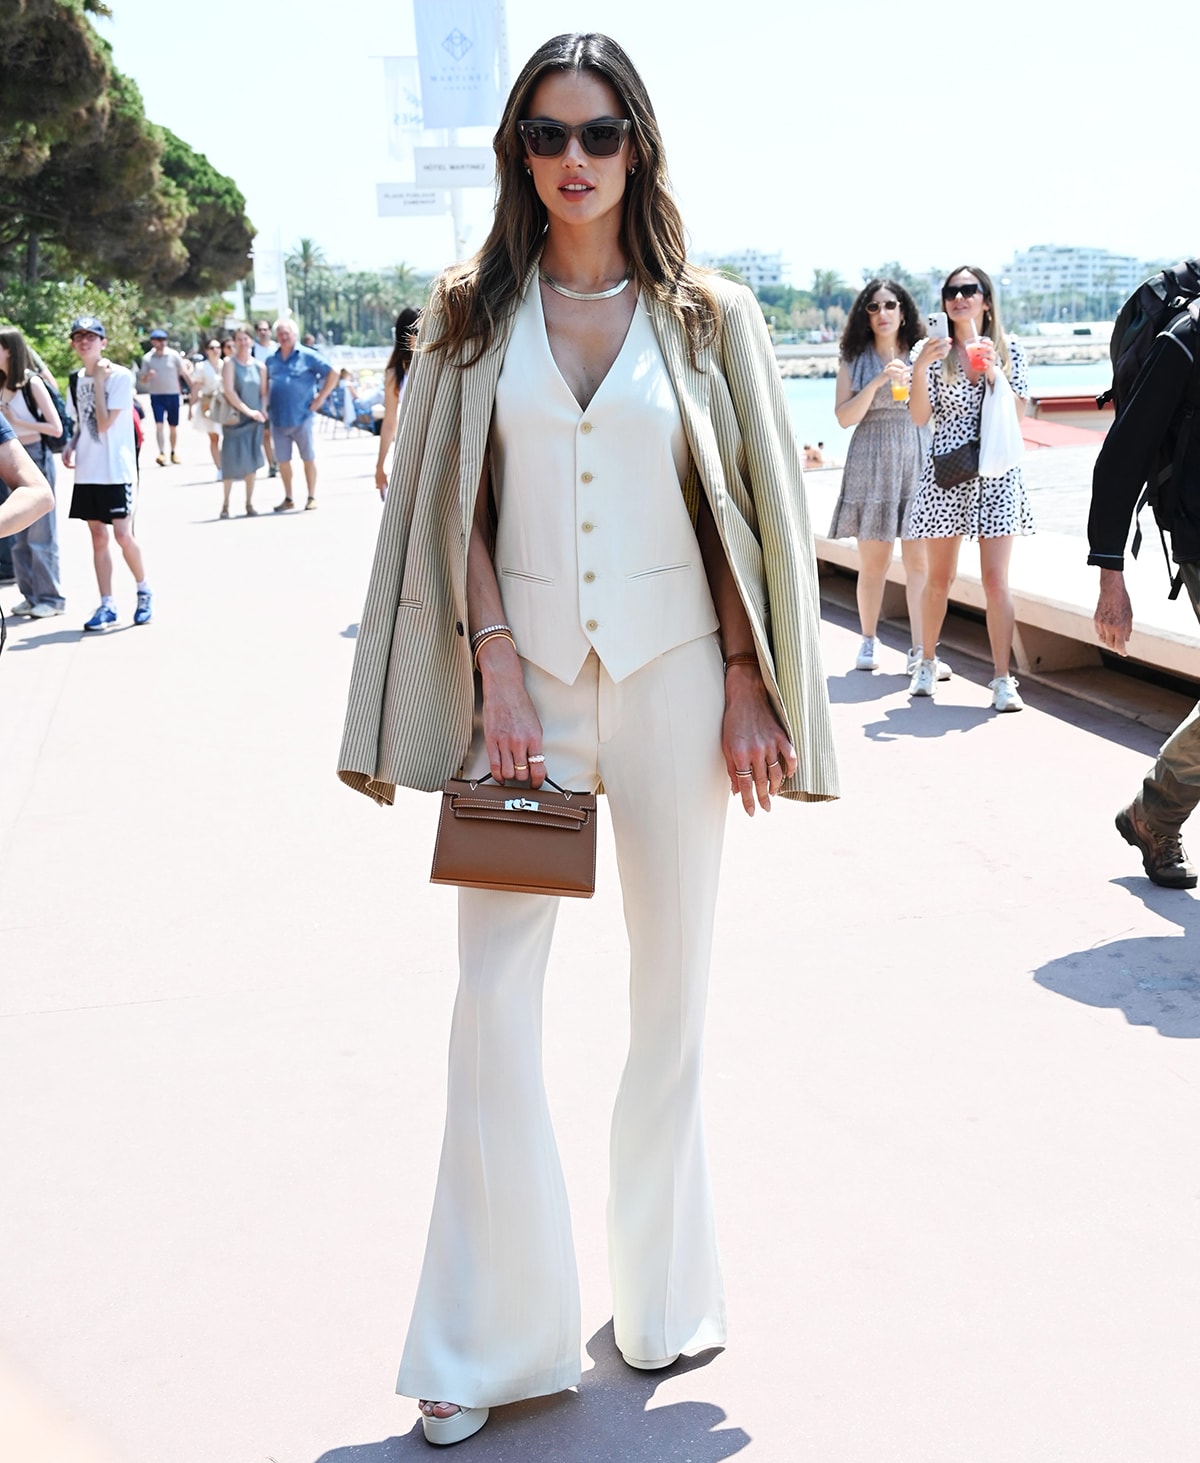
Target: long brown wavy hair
[(992, 325), (858, 335), (476, 296)]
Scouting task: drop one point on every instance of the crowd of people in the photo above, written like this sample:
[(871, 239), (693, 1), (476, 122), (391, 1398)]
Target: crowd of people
[(253, 396)]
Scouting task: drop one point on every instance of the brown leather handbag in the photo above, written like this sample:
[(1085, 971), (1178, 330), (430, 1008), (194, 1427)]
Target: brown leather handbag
[(497, 836)]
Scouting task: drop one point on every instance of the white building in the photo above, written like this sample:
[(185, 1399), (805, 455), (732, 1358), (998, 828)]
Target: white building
[(754, 267), (1051, 269)]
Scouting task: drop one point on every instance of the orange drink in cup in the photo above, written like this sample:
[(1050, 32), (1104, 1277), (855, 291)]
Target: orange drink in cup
[(900, 388)]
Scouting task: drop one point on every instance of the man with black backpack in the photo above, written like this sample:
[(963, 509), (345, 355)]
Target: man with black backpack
[(1154, 441)]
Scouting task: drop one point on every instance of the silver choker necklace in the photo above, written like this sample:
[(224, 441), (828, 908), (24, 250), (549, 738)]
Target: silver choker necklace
[(561, 289)]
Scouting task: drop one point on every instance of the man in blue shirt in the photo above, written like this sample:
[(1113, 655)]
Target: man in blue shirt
[(299, 381)]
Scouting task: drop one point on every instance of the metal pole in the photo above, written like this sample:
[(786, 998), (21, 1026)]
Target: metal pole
[(456, 208), (502, 45)]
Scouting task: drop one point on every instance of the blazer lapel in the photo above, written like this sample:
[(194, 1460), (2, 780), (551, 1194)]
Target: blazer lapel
[(691, 385)]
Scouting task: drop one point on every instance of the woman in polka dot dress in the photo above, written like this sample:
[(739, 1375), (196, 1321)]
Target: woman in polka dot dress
[(948, 390)]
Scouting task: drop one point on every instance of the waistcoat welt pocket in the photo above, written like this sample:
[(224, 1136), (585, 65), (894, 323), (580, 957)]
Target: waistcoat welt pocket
[(660, 569), (530, 578)]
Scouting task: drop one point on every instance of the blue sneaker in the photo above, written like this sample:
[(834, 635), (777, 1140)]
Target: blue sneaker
[(141, 616), (102, 619)]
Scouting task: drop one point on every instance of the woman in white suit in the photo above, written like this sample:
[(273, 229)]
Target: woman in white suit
[(640, 603)]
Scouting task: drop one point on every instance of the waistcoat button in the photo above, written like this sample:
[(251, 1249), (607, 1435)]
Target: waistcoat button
[(585, 426), (593, 625), (585, 477), (588, 577), (587, 527)]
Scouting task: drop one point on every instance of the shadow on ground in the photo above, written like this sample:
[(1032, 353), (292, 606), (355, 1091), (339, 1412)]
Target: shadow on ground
[(924, 717), (609, 1420), (1153, 980), (855, 687)]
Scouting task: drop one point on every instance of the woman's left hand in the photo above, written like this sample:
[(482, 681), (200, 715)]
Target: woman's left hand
[(988, 352), (753, 741)]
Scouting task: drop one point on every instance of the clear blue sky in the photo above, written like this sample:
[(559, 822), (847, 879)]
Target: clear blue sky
[(856, 134)]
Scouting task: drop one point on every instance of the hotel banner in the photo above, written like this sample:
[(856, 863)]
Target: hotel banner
[(458, 52), (402, 85)]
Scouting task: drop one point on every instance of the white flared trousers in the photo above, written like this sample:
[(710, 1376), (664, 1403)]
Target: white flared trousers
[(496, 1316)]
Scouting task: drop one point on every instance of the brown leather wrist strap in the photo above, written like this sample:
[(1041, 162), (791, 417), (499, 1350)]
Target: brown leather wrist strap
[(741, 657)]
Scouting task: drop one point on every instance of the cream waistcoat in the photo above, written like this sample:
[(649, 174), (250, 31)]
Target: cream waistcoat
[(594, 547)]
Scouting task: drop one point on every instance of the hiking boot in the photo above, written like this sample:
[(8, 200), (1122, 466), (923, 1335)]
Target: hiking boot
[(1163, 857)]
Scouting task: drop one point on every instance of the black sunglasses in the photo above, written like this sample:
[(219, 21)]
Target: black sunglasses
[(600, 138), (876, 305), (967, 291)]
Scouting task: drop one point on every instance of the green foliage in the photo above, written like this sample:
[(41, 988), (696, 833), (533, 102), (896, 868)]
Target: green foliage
[(44, 313), (217, 234), (55, 68), (85, 177)]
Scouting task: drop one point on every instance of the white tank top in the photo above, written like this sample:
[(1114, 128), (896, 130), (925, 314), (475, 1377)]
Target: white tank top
[(22, 420), (594, 547)]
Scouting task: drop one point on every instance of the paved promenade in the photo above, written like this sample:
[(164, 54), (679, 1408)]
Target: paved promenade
[(952, 1087)]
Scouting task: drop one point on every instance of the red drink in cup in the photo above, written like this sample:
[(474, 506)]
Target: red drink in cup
[(977, 354)]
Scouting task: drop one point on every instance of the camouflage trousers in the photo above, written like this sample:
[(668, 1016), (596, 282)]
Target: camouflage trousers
[(1172, 789)]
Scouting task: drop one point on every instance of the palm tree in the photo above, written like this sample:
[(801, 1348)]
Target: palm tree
[(303, 260), (826, 286)]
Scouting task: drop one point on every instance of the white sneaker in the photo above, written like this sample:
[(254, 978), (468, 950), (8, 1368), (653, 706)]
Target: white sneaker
[(1004, 694), (943, 671), (43, 611), (22, 608), (924, 679), (866, 655), (912, 660)]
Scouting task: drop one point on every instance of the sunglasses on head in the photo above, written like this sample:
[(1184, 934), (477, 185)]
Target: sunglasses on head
[(876, 305), (600, 138), (967, 291)]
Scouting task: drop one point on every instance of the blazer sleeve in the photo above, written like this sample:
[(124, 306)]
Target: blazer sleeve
[(776, 481), (359, 756)]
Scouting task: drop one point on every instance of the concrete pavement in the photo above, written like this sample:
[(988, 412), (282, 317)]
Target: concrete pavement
[(953, 1064)]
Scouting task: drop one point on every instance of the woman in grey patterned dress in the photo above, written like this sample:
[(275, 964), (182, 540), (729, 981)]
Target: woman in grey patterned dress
[(948, 389), (883, 465), (244, 382)]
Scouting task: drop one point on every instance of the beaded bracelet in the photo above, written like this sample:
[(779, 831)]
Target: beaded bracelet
[(478, 637), (495, 633)]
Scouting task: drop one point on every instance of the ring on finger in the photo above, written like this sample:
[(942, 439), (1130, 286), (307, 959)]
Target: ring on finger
[(520, 766), (773, 764), (737, 772), (537, 757)]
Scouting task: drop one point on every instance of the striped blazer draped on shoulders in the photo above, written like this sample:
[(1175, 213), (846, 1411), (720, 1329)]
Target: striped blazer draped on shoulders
[(412, 695)]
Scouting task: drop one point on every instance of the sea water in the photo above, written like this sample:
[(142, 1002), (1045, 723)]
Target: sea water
[(811, 402)]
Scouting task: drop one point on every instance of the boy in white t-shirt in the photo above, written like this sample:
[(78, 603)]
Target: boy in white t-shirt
[(104, 455)]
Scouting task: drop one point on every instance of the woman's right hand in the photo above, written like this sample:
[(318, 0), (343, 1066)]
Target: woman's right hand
[(511, 729), (258, 416), (933, 348)]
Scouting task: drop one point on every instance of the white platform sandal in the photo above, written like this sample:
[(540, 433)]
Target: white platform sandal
[(460, 1425)]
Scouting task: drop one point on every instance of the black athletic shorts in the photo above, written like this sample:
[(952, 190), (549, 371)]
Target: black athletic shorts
[(101, 502)]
